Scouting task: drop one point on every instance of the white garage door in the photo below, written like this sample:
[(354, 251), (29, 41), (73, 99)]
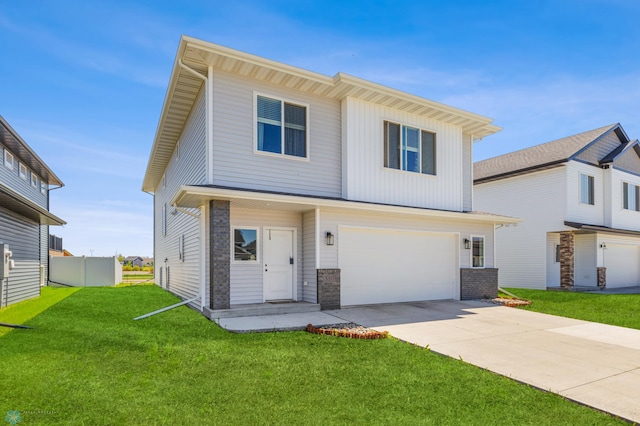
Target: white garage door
[(380, 266), (623, 265)]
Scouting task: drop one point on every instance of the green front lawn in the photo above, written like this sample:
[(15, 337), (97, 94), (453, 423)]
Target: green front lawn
[(614, 309), (88, 362)]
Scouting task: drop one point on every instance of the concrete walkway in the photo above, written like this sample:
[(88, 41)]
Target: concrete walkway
[(594, 364)]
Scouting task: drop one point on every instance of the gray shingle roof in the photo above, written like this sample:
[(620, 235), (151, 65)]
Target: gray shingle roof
[(537, 156)]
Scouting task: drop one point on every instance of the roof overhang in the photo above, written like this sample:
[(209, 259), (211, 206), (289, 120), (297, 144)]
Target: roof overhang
[(16, 203), (18, 147), (196, 196), (199, 55), (603, 229)]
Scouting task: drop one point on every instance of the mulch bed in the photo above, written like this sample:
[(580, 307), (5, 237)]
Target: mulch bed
[(508, 302), (350, 330)]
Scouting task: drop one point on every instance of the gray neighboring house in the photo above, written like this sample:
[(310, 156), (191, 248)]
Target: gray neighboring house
[(579, 198), (25, 181), (274, 184), (134, 261)]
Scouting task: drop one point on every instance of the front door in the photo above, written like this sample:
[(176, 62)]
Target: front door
[(278, 264)]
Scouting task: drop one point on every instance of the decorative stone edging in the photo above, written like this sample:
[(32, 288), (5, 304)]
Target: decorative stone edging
[(352, 331), (512, 303)]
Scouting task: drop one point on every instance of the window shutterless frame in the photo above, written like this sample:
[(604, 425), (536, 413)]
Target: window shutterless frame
[(587, 195), (477, 251), (8, 159), (409, 148), (245, 245), (279, 126), (630, 196)]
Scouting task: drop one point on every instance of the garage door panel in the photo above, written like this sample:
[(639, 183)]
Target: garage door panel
[(380, 266), (623, 265)]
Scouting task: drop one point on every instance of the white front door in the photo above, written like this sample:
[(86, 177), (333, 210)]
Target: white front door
[(278, 264)]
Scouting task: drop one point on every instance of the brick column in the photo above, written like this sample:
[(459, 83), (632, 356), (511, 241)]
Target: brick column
[(219, 257), (478, 283), (602, 278), (567, 249), (329, 288)]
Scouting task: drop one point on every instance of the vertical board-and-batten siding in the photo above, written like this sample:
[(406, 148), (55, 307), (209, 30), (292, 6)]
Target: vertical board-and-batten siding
[(621, 217), (539, 199), (12, 179), (22, 236), (189, 168), (368, 180), (467, 173), (235, 162), (246, 277), (577, 211)]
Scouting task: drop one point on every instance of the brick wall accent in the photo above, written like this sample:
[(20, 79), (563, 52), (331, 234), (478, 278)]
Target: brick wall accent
[(602, 277), (478, 283), (567, 253), (328, 288), (220, 253)]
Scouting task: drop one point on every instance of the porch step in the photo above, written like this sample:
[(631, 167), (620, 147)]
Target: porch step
[(258, 309)]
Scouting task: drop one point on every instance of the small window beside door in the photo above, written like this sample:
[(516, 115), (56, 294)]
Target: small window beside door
[(245, 245), (477, 251)]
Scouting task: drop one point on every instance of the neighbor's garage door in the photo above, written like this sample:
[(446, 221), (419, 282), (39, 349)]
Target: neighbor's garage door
[(623, 265), (380, 266)]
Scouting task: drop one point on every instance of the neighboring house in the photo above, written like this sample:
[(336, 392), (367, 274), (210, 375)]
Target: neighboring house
[(273, 183), (134, 261), (147, 261), (580, 204), (24, 216)]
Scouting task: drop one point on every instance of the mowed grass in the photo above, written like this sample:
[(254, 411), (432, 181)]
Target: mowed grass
[(615, 309), (88, 362)]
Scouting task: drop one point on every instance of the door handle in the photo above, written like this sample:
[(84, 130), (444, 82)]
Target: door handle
[(265, 268)]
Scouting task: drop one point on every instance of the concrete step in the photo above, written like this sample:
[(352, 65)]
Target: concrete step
[(259, 309)]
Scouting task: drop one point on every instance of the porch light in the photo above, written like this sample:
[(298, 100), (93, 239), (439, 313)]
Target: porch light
[(329, 238), (467, 244)]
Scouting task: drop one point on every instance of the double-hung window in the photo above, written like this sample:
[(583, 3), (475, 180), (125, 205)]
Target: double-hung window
[(409, 149), (586, 189), (8, 159), (630, 196), (282, 127)]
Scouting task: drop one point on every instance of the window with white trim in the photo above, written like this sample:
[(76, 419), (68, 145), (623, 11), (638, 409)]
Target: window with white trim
[(245, 244), (181, 248), (8, 159), (586, 189), (34, 180), (409, 148), (477, 251), (630, 196), (23, 171), (281, 127), (43, 187)]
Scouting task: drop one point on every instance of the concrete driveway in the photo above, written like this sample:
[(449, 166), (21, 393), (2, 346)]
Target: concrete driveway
[(594, 364)]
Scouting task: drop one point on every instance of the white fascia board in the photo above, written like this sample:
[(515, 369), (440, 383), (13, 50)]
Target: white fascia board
[(201, 194)]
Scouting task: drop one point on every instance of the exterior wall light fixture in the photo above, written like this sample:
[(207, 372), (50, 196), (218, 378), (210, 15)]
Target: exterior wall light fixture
[(329, 238)]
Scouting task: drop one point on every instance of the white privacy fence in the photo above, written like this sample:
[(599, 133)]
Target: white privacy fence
[(85, 271)]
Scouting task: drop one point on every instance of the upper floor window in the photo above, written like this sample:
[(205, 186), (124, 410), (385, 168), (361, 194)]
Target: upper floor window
[(410, 149), (282, 127), (8, 159), (23, 171), (630, 196), (586, 189), (43, 187), (34, 180)]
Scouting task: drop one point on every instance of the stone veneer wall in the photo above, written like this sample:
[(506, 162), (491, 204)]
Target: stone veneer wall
[(328, 288), (567, 253), (478, 283), (602, 277), (219, 260)]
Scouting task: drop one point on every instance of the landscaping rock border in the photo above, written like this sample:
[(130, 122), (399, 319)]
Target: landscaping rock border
[(350, 330), (512, 303)]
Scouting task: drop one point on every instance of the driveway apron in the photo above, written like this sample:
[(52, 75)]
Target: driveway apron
[(594, 364)]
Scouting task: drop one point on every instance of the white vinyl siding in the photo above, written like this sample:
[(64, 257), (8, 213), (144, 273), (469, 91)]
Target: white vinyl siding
[(235, 162), (521, 251), (577, 211), (246, 277), (331, 220), (188, 169), (366, 178), (620, 217)]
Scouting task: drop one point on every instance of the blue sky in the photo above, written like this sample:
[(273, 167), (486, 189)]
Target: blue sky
[(83, 81)]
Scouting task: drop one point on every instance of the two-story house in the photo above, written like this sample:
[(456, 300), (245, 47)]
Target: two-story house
[(580, 204), (272, 183), (24, 217)]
